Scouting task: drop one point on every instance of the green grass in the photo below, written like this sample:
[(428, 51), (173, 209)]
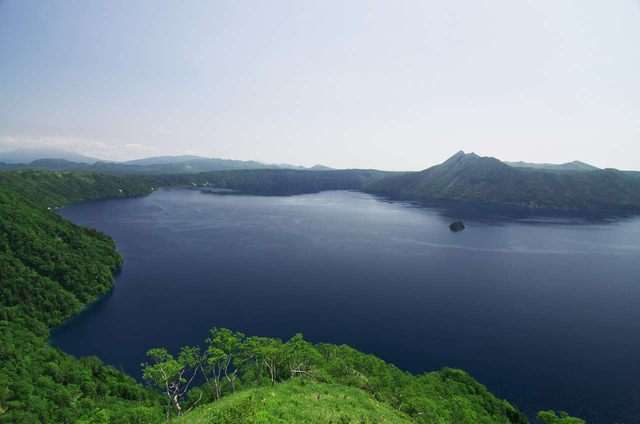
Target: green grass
[(291, 402)]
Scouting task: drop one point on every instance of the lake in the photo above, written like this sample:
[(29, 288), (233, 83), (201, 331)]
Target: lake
[(542, 307)]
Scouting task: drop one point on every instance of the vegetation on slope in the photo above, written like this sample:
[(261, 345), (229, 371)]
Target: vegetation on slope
[(470, 178), (291, 402), (232, 362), (39, 384), (50, 268)]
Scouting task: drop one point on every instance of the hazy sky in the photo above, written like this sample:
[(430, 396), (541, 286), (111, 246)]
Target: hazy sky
[(398, 85)]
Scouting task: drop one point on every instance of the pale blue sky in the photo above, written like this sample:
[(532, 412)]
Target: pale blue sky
[(396, 85)]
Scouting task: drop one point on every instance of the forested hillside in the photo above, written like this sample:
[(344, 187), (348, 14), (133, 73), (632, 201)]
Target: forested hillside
[(471, 178), (55, 189), (49, 266), (49, 269)]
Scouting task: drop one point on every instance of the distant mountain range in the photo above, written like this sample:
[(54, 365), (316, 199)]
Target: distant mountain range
[(471, 178), (23, 156), (576, 165), (60, 160), (159, 160)]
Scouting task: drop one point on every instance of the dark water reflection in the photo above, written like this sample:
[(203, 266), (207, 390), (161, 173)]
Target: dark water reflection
[(540, 306)]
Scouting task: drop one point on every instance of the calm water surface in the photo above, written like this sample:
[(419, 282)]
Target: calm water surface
[(541, 307)]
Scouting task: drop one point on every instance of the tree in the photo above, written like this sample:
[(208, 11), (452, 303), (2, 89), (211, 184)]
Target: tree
[(168, 373), (550, 417), (272, 356), (225, 350), (301, 356), (254, 348)]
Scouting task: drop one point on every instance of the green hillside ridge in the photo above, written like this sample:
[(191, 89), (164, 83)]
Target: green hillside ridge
[(291, 402), (50, 268), (471, 178)]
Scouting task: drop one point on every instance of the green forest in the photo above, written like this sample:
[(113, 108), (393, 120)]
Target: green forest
[(51, 268)]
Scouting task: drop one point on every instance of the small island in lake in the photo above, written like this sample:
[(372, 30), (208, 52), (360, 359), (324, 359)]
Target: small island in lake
[(456, 226)]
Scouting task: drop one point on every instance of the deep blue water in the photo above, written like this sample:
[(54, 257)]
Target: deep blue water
[(541, 307)]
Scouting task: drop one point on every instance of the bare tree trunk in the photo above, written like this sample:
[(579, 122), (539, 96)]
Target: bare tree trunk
[(233, 388), (195, 403), (177, 405), (217, 381), (271, 372), (206, 379)]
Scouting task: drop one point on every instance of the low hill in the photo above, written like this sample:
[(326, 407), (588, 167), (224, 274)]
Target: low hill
[(471, 178), (292, 402), (576, 165)]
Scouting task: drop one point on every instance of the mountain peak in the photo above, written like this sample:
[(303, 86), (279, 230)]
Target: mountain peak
[(461, 156)]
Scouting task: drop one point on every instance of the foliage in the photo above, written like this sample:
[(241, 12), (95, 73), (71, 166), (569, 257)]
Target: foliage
[(50, 268), (550, 417), (39, 384), (168, 374)]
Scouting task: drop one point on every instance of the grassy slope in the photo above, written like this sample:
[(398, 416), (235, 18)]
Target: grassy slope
[(291, 402)]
